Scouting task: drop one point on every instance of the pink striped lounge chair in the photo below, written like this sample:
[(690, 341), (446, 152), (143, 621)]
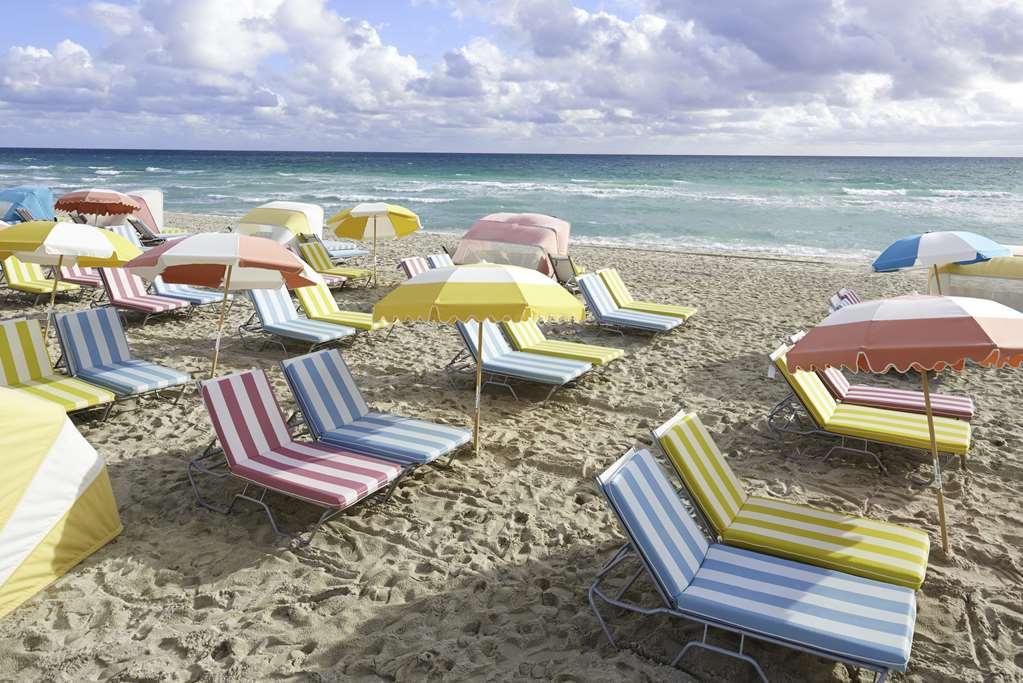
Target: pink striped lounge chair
[(86, 277), (906, 401), (127, 291), (414, 265)]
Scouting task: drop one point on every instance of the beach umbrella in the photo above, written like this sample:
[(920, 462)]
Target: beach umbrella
[(98, 202), (36, 199), (479, 292), (226, 261), (933, 249), (58, 244), (916, 332), (282, 221), (376, 220)]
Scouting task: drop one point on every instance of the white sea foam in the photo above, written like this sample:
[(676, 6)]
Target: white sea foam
[(874, 192), (107, 171)]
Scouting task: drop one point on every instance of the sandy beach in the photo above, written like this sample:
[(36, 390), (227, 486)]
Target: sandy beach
[(479, 571)]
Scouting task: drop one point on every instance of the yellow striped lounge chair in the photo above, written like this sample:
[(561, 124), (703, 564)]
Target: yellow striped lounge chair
[(29, 279), (527, 336), (319, 304), (315, 254), (624, 299), (855, 545), (846, 420), (25, 366)]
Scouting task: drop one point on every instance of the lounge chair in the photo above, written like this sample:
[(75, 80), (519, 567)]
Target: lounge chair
[(621, 295), (850, 619), (197, 296), (259, 450), (277, 317), (319, 304), (842, 298), (315, 254), (414, 265), (609, 315), (128, 233), (440, 261), (501, 363), (145, 234), (24, 214), (96, 351), (25, 366), (79, 219), (336, 413), (527, 336), (84, 277), (846, 421), (28, 278), (127, 291), (865, 547), (904, 400), (341, 250), (566, 271)]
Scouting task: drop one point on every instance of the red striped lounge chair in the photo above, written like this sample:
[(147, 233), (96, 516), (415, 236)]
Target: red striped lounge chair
[(903, 400), (86, 277), (258, 449), (127, 291), (842, 298), (414, 265)]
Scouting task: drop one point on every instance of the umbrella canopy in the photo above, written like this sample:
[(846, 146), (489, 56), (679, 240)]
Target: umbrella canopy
[(933, 249), (374, 220), (480, 291), (559, 228), (282, 221), (99, 202), (36, 199)]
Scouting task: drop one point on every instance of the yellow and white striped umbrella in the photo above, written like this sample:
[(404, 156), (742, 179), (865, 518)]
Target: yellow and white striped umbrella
[(479, 291), (376, 221)]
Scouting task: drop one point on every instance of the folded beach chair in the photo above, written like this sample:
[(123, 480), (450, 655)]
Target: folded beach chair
[(96, 351), (84, 277), (527, 336), (850, 619), (621, 295), (25, 366), (864, 423), (608, 314), (336, 413), (842, 298), (907, 401), (414, 265), (277, 317), (259, 450), (501, 363), (28, 278), (315, 254), (319, 304), (197, 296), (127, 291), (440, 261), (865, 547)]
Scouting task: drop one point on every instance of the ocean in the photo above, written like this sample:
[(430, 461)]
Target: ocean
[(839, 206)]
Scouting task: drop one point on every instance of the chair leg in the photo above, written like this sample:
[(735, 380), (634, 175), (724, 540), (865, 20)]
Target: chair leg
[(843, 446), (736, 654)]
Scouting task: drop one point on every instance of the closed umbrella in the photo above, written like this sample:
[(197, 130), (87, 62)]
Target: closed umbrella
[(376, 220), (933, 249)]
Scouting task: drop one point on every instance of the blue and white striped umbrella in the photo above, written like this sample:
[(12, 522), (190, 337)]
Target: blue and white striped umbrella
[(936, 249)]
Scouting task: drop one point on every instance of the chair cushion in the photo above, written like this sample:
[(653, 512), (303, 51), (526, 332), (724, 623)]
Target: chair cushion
[(401, 439), (673, 310), (69, 393), (640, 321), (150, 303), (902, 429), (130, 377), (313, 331), (42, 286), (587, 353), (944, 405), (356, 319), (536, 368)]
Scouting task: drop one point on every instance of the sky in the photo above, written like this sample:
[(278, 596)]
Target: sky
[(875, 77)]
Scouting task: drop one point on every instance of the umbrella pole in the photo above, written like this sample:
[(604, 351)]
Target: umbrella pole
[(220, 324), (374, 251), (937, 463), (937, 280), (53, 296), (479, 385)]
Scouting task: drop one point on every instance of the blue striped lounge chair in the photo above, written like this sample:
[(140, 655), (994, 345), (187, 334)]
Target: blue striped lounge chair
[(340, 250), (608, 314), (96, 349), (277, 317), (858, 621), (337, 414), (502, 363), (439, 261), (197, 296)]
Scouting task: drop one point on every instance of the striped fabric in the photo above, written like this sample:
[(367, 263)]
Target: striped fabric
[(957, 407), (319, 304), (86, 277), (259, 448), (197, 296), (527, 336), (337, 413), (278, 316), (127, 232), (439, 261), (315, 254), (25, 366), (127, 290), (342, 249), (607, 312), (834, 613), (873, 424), (97, 351), (29, 278), (500, 359), (414, 265), (620, 293), (842, 298), (860, 546)]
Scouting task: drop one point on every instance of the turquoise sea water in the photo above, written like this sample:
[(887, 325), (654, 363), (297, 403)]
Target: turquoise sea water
[(801, 205)]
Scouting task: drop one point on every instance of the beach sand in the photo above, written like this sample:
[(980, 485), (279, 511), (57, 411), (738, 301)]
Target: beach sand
[(480, 570)]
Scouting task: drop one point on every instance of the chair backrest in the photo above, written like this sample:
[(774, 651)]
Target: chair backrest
[(835, 381), (316, 255), (127, 232), (703, 469), (79, 219), (524, 334), (92, 338), (440, 261), (450, 251), (273, 305), (616, 285), (164, 288), (595, 293), (659, 528), (77, 271), (850, 296), (121, 284), (414, 265), (564, 269), (494, 343), (325, 390), (245, 415), (23, 355), (24, 214), (808, 387), (21, 272), (317, 300), (144, 230)]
